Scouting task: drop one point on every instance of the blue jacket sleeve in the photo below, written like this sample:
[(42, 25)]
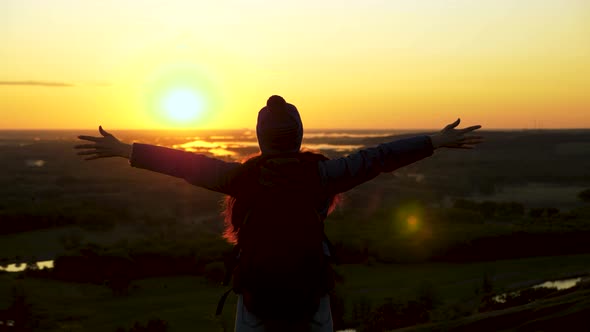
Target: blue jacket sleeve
[(342, 174), (197, 169)]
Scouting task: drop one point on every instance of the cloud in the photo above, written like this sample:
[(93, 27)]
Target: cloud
[(36, 83)]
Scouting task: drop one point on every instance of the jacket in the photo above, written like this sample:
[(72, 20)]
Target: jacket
[(335, 175)]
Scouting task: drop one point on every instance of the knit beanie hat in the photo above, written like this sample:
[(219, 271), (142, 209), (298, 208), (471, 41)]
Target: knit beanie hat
[(279, 128)]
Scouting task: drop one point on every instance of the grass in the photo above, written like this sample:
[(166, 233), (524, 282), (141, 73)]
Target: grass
[(568, 312), (184, 302), (188, 303), (455, 282), (49, 243)]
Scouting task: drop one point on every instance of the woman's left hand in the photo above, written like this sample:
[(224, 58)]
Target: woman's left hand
[(449, 137), (103, 147)]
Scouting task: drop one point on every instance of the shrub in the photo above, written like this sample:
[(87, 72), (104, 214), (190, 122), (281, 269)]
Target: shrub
[(466, 204), (458, 215), (361, 310), (538, 213), (119, 284), (509, 209), (584, 195), (19, 312), (552, 212), (488, 209), (392, 315), (71, 241), (428, 296), (491, 209)]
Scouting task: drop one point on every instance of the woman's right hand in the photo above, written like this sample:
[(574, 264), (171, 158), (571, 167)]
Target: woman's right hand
[(104, 146)]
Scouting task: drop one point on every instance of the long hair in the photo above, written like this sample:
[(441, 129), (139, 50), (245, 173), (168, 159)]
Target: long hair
[(233, 211)]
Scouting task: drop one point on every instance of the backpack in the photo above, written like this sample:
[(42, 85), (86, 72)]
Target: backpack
[(281, 269)]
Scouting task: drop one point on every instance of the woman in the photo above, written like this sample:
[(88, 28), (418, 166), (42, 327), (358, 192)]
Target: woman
[(281, 165)]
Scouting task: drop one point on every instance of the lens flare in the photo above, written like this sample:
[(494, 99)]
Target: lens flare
[(408, 219), (412, 223)]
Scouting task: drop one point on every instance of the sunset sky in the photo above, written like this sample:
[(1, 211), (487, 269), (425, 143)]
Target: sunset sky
[(345, 64)]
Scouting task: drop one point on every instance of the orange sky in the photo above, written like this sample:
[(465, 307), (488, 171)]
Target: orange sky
[(345, 64)]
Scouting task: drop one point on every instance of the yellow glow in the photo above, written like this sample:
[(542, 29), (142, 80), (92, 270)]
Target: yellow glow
[(412, 223)]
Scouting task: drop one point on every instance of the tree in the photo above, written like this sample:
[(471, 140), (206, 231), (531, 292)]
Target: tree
[(585, 195)]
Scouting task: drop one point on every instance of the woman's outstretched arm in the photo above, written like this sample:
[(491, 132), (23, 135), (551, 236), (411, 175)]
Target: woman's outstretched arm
[(197, 169), (345, 173)]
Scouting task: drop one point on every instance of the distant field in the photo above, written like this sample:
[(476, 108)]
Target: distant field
[(52, 202)]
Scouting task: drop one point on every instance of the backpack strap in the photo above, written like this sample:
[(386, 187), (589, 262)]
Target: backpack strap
[(333, 258), (221, 302), (230, 262)]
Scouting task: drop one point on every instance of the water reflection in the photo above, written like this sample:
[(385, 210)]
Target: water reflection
[(9, 323), (333, 147), (560, 284), (222, 152), (215, 148), (347, 135), (553, 284), (35, 162), (19, 267), (224, 148)]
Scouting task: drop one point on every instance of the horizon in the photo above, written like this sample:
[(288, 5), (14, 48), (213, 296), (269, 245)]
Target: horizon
[(306, 129)]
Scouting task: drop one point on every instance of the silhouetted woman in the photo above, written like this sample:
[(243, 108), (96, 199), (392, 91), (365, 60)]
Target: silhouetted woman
[(281, 164)]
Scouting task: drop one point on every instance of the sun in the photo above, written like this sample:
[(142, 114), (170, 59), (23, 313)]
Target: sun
[(180, 96), (182, 104)]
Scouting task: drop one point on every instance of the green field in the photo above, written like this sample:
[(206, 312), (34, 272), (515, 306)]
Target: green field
[(186, 302)]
